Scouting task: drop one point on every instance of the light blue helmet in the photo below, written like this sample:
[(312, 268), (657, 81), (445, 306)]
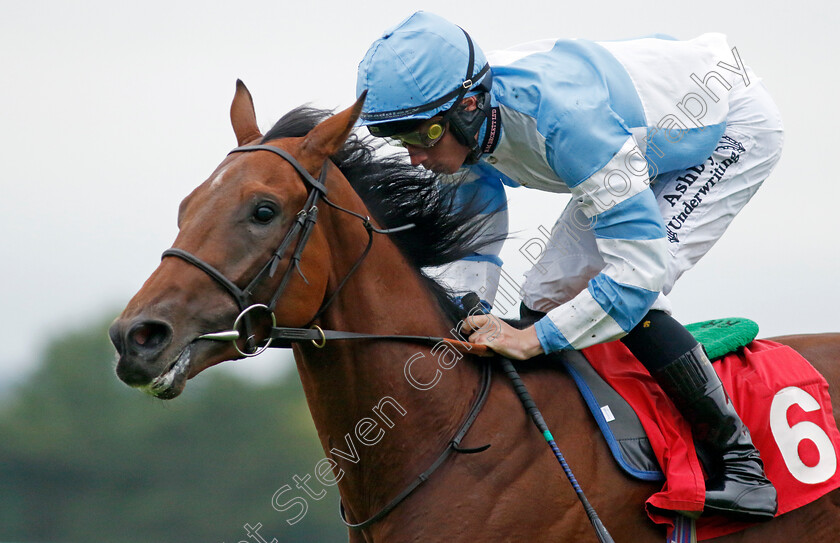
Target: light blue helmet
[(419, 68)]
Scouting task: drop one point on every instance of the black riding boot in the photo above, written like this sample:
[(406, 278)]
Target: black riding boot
[(738, 487)]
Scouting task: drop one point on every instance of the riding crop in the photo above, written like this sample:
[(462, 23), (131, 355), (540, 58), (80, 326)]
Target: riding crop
[(536, 416)]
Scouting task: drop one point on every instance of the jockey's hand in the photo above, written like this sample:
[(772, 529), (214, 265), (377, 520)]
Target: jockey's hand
[(501, 337)]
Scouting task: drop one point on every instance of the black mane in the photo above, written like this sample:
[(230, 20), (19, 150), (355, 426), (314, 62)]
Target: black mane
[(396, 194)]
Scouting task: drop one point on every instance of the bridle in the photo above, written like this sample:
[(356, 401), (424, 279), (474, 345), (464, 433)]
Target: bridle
[(300, 231)]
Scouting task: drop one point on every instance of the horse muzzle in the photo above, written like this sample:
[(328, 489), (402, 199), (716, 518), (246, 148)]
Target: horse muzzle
[(147, 359)]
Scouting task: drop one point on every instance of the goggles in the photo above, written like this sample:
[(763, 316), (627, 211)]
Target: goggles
[(426, 135)]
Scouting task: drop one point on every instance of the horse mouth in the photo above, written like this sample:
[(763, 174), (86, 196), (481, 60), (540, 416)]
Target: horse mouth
[(171, 383)]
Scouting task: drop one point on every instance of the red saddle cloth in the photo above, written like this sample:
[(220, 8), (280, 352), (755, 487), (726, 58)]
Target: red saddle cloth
[(781, 398)]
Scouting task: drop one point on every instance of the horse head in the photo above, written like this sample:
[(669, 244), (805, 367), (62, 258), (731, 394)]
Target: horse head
[(246, 236)]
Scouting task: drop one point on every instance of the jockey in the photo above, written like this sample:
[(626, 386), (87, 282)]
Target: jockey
[(660, 142)]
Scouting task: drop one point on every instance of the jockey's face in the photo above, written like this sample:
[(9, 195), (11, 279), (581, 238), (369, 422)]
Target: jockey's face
[(446, 156)]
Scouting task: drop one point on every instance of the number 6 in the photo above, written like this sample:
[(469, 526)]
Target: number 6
[(788, 437)]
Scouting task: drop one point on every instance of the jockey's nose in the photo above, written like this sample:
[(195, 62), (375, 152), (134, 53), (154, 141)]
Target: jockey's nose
[(416, 154)]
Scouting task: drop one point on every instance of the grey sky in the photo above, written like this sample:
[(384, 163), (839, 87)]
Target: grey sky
[(110, 113)]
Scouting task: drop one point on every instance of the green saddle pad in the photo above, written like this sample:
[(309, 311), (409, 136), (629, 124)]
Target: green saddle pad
[(723, 336)]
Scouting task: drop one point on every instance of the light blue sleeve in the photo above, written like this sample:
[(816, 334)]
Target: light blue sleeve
[(480, 190), (608, 178)]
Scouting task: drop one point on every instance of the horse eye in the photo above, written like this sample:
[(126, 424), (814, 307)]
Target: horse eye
[(264, 213)]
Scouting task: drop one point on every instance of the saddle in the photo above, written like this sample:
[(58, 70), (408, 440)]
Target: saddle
[(619, 422), (780, 397)]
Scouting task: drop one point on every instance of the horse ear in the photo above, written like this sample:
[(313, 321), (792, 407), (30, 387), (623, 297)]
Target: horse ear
[(242, 115), (329, 136)]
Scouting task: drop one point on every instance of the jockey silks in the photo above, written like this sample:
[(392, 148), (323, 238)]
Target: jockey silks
[(606, 121)]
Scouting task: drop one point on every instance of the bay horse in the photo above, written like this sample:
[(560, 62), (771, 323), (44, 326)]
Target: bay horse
[(364, 395)]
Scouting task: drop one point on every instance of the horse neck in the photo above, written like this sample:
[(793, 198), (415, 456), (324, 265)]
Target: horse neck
[(350, 385)]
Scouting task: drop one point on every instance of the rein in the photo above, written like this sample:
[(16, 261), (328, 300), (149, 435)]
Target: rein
[(284, 337), (301, 229), (453, 446)]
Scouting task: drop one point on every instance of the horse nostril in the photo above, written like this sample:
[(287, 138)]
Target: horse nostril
[(149, 335)]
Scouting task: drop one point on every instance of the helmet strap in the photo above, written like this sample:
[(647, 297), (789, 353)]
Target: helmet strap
[(465, 125)]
